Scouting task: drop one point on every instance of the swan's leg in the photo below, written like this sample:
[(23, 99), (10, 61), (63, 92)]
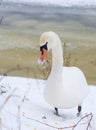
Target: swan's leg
[(56, 111), (79, 110)]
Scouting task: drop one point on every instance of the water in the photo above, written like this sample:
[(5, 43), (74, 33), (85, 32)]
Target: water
[(27, 22), (60, 2), (22, 25)]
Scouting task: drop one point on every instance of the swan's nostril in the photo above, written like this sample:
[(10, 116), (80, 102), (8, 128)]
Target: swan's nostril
[(41, 52)]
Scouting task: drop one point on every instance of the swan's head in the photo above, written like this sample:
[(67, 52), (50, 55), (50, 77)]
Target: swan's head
[(47, 41)]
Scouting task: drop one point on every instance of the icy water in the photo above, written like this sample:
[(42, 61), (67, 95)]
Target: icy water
[(21, 26)]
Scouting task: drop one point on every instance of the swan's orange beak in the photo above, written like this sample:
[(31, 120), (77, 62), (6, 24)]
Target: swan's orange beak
[(43, 54), (43, 50)]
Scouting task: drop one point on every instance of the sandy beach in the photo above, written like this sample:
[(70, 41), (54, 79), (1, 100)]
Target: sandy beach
[(22, 26)]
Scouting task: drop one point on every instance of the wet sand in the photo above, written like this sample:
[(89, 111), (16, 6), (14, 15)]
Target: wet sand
[(22, 26)]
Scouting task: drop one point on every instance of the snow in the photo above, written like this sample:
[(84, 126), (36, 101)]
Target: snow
[(60, 2), (23, 107)]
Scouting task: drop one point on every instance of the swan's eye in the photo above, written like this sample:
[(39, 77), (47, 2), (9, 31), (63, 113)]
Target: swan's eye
[(44, 47)]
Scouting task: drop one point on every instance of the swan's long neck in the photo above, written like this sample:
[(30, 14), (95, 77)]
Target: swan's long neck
[(57, 57)]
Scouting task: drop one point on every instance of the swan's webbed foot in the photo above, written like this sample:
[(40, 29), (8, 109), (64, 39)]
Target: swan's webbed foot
[(56, 111), (79, 110)]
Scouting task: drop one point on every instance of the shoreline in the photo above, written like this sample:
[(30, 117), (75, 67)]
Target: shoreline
[(24, 62)]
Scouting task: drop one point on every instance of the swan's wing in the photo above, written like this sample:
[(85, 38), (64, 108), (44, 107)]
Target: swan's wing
[(74, 85), (73, 76)]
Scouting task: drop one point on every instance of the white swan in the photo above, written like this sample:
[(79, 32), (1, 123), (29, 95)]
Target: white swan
[(66, 87)]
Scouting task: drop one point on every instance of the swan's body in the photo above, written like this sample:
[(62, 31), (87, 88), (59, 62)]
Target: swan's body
[(66, 87)]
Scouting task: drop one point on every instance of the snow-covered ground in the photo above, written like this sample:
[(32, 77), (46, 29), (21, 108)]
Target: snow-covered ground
[(61, 2), (22, 107)]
